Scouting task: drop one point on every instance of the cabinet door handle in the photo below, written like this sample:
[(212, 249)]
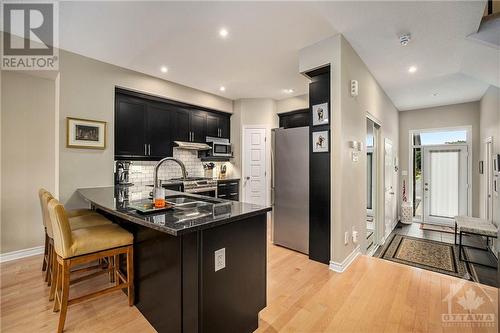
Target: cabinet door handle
[(149, 149), (145, 149)]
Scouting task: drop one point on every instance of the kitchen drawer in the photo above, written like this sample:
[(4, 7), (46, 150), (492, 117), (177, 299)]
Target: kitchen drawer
[(234, 196), (228, 187)]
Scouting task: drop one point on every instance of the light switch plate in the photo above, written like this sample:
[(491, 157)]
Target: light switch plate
[(220, 259)]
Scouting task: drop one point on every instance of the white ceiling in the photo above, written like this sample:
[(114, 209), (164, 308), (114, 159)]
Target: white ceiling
[(260, 56)]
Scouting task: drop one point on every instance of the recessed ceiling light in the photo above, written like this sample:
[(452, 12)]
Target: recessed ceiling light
[(412, 69), (222, 88), (223, 32), (164, 69), (288, 91)]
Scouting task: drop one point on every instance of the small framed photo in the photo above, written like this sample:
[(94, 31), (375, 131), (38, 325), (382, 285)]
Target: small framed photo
[(85, 133), (320, 142), (320, 114)]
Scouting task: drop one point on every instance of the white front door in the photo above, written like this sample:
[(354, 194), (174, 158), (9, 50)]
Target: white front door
[(445, 183), (254, 166), (389, 194)]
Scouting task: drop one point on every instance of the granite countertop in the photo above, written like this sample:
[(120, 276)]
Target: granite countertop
[(116, 200)]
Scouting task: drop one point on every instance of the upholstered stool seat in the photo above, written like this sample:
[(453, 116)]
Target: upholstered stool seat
[(98, 238)]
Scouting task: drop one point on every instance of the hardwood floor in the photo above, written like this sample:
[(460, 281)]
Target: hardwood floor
[(373, 295)]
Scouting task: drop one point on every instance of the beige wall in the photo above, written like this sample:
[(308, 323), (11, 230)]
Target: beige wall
[(247, 112), (292, 103), (352, 179), (489, 121), (28, 157), (465, 114), (87, 91), (348, 115)]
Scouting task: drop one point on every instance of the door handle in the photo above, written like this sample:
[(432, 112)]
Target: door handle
[(247, 178)]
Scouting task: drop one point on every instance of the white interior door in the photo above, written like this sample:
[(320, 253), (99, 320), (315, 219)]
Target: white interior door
[(445, 183), (254, 166), (389, 194), (488, 181)]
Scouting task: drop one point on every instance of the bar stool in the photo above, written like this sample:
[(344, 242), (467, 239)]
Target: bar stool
[(80, 246), (79, 218), (71, 213)]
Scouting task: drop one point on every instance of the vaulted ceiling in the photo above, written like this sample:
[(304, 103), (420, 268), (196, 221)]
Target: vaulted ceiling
[(259, 57)]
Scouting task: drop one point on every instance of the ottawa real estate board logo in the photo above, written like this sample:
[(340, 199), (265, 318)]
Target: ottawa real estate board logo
[(30, 40)]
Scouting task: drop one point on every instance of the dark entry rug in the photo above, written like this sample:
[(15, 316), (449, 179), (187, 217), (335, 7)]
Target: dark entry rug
[(426, 254)]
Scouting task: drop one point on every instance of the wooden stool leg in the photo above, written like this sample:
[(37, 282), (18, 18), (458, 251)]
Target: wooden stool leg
[(53, 270), (45, 251), (111, 269), (116, 260), (130, 275), (57, 295), (49, 267), (64, 295), (49, 255)]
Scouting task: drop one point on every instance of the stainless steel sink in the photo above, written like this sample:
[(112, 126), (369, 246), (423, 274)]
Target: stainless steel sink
[(186, 201)]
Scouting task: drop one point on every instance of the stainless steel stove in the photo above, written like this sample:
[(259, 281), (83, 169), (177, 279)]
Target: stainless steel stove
[(200, 185)]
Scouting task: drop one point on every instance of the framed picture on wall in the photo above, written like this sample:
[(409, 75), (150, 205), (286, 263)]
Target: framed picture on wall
[(320, 142), (320, 114), (85, 133)]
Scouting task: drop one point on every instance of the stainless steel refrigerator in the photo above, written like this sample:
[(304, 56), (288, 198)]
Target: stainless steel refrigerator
[(290, 188)]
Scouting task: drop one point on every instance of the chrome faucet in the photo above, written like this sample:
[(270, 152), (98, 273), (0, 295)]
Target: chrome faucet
[(157, 166)]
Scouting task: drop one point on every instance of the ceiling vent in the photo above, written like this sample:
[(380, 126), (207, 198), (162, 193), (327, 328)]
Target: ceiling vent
[(404, 39)]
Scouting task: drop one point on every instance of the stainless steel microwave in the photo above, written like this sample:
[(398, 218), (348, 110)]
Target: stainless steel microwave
[(219, 147)]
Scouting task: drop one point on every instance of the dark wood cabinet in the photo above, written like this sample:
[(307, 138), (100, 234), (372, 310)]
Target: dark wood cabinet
[(197, 126), (228, 189), (218, 125), (298, 118), (159, 137), (147, 126), (180, 125), (130, 126)]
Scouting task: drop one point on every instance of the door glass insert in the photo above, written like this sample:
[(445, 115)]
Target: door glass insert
[(444, 183)]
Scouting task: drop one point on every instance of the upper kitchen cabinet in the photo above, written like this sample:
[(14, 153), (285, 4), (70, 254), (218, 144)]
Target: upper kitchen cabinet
[(130, 126), (197, 126), (180, 125), (147, 126), (142, 129), (159, 136), (218, 125)]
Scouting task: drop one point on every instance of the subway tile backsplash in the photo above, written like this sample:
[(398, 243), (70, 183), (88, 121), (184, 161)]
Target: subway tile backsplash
[(141, 172)]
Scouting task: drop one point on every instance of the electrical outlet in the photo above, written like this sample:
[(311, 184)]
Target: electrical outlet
[(354, 237), (346, 238), (220, 259)]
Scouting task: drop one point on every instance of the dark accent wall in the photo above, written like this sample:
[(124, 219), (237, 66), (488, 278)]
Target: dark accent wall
[(319, 172)]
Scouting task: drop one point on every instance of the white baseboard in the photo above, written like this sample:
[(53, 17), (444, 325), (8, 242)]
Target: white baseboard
[(9, 256), (340, 267)]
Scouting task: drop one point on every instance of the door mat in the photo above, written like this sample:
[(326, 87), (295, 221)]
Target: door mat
[(426, 254)]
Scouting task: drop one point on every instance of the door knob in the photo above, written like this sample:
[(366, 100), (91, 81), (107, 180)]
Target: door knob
[(248, 178)]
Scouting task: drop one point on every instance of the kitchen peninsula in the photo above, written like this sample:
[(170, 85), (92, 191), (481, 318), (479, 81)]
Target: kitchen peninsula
[(199, 267)]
